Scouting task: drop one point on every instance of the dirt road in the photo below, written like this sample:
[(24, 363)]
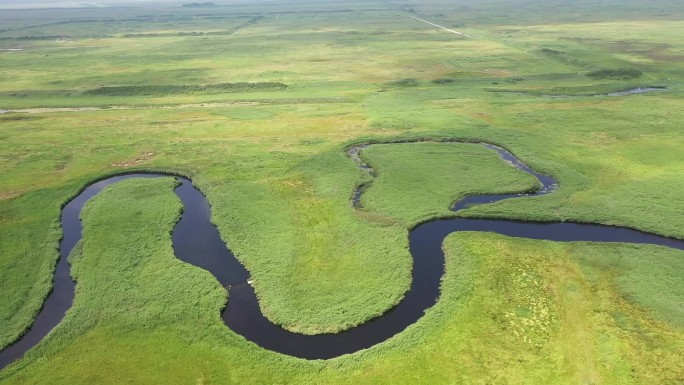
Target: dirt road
[(439, 26)]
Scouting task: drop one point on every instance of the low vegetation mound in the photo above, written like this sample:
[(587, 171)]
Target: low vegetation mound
[(185, 89), (443, 81), (550, 51), (404, 83), (620, 73)]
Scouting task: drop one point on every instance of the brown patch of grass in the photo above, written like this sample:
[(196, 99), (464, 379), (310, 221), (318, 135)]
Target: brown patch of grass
[(141, 158), (7, 195)]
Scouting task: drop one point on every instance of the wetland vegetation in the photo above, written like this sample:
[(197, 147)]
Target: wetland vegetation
[(271, 162)]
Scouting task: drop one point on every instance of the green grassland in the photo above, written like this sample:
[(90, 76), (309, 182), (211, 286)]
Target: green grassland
[(272, 164), (512, 311)]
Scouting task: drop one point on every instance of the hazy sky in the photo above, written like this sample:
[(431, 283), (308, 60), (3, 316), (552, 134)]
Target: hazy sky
[(78, 2), (28, 4), (18, 4)]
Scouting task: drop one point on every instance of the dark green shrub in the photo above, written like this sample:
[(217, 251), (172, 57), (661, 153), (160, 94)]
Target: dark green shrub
[(443, 81), (404, 83), (620, 73)]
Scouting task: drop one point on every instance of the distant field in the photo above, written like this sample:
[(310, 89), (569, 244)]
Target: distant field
[(257, 101)]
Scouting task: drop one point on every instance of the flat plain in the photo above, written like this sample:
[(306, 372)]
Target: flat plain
[(257, 102)]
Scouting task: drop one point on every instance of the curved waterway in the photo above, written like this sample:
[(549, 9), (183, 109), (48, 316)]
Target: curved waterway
[(197, 241)]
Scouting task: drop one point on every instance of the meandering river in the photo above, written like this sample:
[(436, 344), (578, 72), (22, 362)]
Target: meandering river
[(196, 241)]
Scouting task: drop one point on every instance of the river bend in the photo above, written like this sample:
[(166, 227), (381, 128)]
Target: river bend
[(196, 241)]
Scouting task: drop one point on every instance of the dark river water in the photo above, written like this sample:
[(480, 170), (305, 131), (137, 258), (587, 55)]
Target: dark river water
[(196, 241)]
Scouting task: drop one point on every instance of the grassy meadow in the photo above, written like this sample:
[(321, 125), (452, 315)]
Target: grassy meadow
[(256, 102)]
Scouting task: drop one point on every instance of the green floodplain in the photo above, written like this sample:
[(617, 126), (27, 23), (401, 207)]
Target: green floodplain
[(257, 102)]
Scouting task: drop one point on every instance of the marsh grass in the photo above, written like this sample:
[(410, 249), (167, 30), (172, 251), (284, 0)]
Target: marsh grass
[(161, 90)]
